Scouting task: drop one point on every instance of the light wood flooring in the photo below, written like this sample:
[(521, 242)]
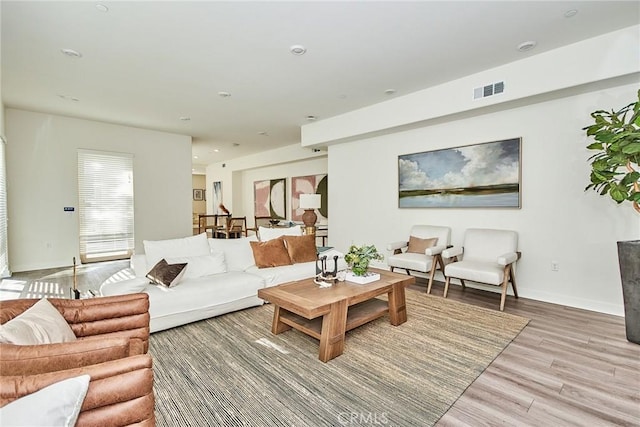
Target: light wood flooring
[(568, 367)]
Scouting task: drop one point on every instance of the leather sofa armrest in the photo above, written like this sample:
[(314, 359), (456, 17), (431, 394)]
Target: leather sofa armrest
[(397, 245), (37, 359), (435, 250), (119, 315), (453, 251), (120, 391), (508, 258)]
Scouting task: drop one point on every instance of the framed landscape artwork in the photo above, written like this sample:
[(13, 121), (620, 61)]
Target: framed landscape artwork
[(310, 184), (483, 175), (269, 198)]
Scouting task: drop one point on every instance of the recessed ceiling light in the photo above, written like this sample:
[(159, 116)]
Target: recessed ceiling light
[(390, 91), (102, 8), (216, 150), (298, 49), (571, 13), (263, 133), (69, 98), (224, 94), (311, 118), (195, 157), (185, 118), (526, 46), (72, 53)]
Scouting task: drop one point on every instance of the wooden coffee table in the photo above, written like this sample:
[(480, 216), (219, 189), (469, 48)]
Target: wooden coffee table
[(328, 313)]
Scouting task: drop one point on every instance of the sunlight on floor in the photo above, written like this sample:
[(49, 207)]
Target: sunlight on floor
[(11, 289), (39, 289)]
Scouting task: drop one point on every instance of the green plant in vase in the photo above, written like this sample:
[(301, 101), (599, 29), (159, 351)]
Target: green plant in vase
[(359, 257)]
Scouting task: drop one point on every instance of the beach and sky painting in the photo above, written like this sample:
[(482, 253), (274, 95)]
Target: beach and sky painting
[(473, 176)]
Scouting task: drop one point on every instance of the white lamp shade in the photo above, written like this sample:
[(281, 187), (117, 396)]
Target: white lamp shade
[(310, 201)]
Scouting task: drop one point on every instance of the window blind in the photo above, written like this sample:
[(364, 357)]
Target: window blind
[(4, 246), (105, 209)]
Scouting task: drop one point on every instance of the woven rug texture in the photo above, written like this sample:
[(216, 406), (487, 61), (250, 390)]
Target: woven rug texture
[(232, 371)]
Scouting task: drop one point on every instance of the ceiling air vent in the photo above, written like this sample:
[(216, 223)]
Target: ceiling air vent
[(488, 90)]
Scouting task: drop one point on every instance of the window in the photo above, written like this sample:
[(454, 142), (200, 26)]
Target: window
[(105, 210), (4, 252)]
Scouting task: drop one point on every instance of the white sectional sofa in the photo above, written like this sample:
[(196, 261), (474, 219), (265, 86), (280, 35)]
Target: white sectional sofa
[(220, 277)]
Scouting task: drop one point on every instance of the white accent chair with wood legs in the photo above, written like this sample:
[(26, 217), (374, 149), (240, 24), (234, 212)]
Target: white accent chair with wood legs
[(487, 256), (422, 252)]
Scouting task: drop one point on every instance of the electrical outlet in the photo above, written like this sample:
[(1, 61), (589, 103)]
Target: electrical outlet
[(555, 266)]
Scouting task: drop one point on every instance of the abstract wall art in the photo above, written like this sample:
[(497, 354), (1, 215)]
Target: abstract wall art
[(270, 198), (309, 184)]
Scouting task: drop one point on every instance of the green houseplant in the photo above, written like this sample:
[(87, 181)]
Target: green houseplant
[(614, 166), (615, 171), (359, 257)]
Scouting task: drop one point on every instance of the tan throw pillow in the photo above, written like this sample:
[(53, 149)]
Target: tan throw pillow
[(166, 274), (301, 248), (41, 323), (418, 245), (271, 253)]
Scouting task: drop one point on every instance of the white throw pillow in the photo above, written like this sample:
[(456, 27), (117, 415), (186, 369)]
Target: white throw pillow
[(41, 323), (204, 265), (266, 233), (55, 405), (129, 286), (238, 255), (155, 250)]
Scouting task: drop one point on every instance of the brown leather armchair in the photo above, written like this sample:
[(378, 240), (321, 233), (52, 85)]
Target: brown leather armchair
[(107, 328), (120, 391)]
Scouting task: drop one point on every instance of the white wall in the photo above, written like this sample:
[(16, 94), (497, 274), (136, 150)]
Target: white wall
[(314, 166), (558, 221), (237, 175), (42, 179)]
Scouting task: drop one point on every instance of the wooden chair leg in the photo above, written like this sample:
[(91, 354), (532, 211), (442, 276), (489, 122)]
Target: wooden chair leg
[(503, 297), (463, 284), (433, 273), (446, 286), (513, 281)]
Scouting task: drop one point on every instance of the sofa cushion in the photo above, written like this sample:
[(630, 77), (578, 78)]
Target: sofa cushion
[(267, 233), (418, 245), (271, 253), (238, 255), (166, 274), (203, 265), (277, 275), (301, 248), (55, 405), (155, 250), (41, 323)]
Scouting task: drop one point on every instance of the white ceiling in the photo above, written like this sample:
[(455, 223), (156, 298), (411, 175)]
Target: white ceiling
[(146, 64)]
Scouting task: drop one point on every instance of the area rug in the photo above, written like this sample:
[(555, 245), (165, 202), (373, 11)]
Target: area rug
[(232, 371)]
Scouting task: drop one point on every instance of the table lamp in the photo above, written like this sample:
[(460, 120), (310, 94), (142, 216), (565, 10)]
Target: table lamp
[(310, 202)]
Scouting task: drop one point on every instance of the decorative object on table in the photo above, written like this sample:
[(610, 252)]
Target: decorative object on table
[(198, 194), (223, 209), (309, 184), (274, 222), (359, 257), (454, 178), (617, 146), (363, 279), (310, 202), (75, 293), (324, 277), (269, 198)]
